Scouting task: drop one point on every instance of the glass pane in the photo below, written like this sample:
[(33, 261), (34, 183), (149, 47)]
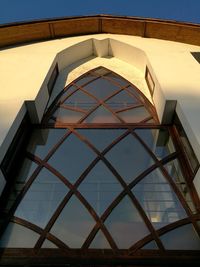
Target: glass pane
[(117, 79), (158, 140), (134, 115), (63, 115), (125, 224), (150, 245), (129, 158), (101, 138), (27, 169), (74, 224), (100, 242), (67, 92), (100, 187), (43, 140), (121, 100), (101, 88), (17, 236), (48, 244), (101, 115), (133, 91), (42, 199), (81, 100), (158, 200), (60, 95), (174, 170), (87, 78), (72, 158), (181, 238)]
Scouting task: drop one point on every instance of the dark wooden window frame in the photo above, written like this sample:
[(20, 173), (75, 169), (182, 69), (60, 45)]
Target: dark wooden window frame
[(85, 255)]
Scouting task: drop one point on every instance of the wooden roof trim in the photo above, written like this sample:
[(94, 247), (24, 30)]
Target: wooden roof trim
[(38, 30)]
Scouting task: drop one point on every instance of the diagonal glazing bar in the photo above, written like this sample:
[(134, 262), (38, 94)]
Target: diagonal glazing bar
[(122, 194), (73, 190), (172, 184), (124, 185)]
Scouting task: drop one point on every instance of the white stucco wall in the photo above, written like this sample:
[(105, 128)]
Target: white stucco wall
[(23, 70)]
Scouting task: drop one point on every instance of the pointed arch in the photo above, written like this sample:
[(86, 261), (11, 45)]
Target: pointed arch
[(101, 171), (100, 96)]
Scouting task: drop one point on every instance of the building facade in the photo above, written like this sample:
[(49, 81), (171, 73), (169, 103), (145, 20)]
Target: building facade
[(100, 139)]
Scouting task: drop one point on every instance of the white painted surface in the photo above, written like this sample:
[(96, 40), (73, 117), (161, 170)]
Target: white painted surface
[(23, 70)]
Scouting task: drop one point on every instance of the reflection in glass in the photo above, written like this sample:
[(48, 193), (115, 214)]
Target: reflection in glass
[(72, 158), (26, 171), (158, 200), (68, 91), (150, 245), (100, 241), (125, 224), (100, 187), (67, 116), (134, 92), (43, 140), (182, 238), (74, 224), (129, 158), (158, 140), (121, 100), (42, 199), (81, 100), (134, 115), (101, 88), (85, 79), (117, 79), (101, 138), (101, 115), (174, 170), (17, 236), (48, 244)]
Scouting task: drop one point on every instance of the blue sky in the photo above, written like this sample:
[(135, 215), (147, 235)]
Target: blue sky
[(23, 10)]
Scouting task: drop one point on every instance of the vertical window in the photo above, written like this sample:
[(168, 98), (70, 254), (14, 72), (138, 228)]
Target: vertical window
[(100, 172)]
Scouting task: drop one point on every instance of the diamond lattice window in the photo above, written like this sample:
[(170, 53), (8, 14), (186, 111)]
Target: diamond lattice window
[(101, 173)]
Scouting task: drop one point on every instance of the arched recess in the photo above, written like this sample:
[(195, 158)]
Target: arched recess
[(100, 92), (114, 185), (124, 59)]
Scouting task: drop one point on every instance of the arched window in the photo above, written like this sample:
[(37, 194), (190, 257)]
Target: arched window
[(101, 174)]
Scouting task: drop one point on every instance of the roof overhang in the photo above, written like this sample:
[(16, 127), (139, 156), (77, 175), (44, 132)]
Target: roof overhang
[(39, 30)]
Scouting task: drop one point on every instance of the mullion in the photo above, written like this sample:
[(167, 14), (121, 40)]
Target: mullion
[(66, 199), (147, 104), (102, 126), (173, 186), (123, 193), (73, 190), (129, 108), (165, 173), (73, 108), (36, 172), (103, 103), (146, 119), (39, 231), (124, 185)]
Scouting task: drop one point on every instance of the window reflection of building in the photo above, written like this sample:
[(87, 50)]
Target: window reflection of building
[(100, 172)]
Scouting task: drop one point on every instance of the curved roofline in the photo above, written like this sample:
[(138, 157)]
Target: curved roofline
[(38, 30)]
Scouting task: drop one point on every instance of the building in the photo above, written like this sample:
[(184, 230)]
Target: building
[(100, 142)]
